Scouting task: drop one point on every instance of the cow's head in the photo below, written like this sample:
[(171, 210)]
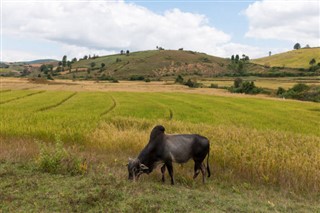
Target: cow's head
[(136, 168)]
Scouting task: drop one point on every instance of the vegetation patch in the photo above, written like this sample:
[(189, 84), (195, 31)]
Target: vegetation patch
[(301, 92), (55, 159)]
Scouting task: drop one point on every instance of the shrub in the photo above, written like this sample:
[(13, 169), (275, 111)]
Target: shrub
[(114, 80), (214, 86), (237, 82), (136, 78), (300, 87), (247, 87), (193, 84), (55, 159), (179, 79), (280, 91), (147, 80)]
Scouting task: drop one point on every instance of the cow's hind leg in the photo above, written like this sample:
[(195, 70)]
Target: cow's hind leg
[(170, 170), (163, 170), (197, 167), (203, 171)]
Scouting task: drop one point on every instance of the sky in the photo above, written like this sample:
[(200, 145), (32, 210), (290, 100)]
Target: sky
[(52, 28)]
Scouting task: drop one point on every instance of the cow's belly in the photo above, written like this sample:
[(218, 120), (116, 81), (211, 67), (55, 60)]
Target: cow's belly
[(180, 157)]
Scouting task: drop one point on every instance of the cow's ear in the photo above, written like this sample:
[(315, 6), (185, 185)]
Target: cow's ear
[(130, 159), (143, 167)]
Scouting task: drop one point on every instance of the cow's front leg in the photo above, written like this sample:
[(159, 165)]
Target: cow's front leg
[(163, 170), (170, 170)]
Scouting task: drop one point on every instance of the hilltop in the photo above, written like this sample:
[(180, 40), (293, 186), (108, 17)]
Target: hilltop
[(295, 58)]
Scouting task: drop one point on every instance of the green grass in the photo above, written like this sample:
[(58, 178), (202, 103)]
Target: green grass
[(264, 153), (25, 189), (294, 58), (155, 63)]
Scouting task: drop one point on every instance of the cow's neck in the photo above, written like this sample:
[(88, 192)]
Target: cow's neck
[(150, 154)]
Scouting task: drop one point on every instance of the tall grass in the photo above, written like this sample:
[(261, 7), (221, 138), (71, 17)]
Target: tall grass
[(287, 160), (261, 141)]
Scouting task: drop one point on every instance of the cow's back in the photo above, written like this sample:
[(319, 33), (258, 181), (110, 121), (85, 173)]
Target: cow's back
[(180, 148)]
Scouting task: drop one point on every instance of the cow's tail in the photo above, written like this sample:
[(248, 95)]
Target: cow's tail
[(208, 168)]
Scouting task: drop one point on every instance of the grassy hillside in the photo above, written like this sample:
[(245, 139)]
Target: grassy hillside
[(156, 63), (294, 58)]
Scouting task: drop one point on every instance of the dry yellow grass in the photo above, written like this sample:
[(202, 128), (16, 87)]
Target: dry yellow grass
[(289, 161)]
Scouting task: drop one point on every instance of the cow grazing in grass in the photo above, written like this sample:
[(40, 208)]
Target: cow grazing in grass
[(165, 149)]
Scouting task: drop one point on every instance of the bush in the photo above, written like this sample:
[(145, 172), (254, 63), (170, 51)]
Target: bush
[(147, 80), (114, 80), (179, 79), (55, 159), (136, 78), (300, 87), (247, 87), (280, 91), (303, 92), (214, 86), (237, 82), (193, 84)]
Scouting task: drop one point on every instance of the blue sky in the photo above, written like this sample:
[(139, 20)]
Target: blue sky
[(51, 29)]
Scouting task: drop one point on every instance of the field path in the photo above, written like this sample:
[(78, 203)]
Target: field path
[(57, 104), (17, 98), (111, 108)]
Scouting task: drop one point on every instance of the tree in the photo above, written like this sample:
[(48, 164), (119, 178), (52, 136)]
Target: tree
[(93, 64), (297, 46), (237, 82), (269, 53), (232, 58), (44, 68), (179, 79), (312, 62), (74, 60), (121, 52), (127, 52), (236, 58), (103, 65), (307, 46), (64, 61)]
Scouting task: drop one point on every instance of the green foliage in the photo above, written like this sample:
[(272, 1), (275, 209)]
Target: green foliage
[(280, 91), (49, 77), (214, 86), (303, 92), (297, 46), (246, 87), (64, 61), (193, 84), (237, 82), (312, 61), (147, 80), (55, 159), (136, 78), (179, 79), (92, 64)]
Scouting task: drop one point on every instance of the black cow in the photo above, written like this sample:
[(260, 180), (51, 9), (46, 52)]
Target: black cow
[(165, 149)]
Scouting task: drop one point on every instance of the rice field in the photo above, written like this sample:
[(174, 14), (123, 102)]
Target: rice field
[(260, 141)]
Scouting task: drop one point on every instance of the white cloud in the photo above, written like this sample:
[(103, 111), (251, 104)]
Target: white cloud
[(295, 21), (110, 26)]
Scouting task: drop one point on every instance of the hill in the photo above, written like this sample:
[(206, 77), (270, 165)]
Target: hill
[(294, 58), (157, 64), (154, 63), (40, 61)]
